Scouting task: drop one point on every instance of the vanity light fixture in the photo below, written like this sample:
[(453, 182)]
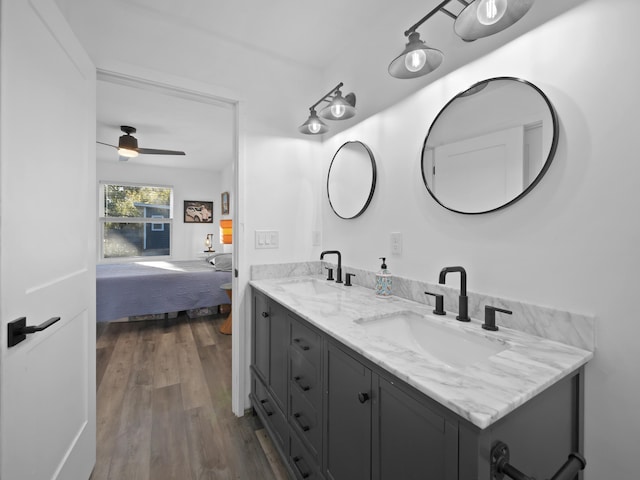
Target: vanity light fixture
[(338, 108), (477, 19)]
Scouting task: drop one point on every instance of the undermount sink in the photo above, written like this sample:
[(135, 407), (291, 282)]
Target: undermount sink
[(309, 286), (455, 347)]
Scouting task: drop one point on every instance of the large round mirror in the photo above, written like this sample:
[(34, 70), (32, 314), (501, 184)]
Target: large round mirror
[(489, 146), (351, 180)]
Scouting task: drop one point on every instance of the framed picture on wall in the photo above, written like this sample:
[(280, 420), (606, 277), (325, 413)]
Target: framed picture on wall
[(225, 203), (198, 211)]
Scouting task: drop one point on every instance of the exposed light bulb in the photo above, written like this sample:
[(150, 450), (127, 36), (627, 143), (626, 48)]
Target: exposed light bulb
[(491, 11), (338, 110), (314, 127), (415, 60)]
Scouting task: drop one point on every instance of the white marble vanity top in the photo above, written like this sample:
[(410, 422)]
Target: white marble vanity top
[(481, 392)]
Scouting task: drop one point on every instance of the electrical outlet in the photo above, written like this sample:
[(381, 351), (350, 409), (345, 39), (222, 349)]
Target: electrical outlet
[(396, 243)]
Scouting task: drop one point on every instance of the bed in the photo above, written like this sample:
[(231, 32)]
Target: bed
[(157, 287)]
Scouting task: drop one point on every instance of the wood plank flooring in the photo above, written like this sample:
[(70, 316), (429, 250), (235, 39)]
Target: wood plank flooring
[(164, 406)]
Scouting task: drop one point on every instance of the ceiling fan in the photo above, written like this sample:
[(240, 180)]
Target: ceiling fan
[(128, 146)]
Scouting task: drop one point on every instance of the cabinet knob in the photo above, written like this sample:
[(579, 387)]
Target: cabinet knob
[(265, 314), (363, 397)]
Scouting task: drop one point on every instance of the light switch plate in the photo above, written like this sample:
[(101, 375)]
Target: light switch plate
[(267, 239)]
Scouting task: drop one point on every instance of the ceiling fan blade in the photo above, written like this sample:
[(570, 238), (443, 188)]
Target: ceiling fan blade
[(153, 151), (107, 144)]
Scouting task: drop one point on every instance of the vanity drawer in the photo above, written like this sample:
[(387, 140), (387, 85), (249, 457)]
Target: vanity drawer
[(301, 461), (268, 411), (305, 378), (305, 421), (305, 341)]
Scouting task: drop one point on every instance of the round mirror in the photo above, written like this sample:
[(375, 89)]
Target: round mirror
[(351, 180), (489, 146)]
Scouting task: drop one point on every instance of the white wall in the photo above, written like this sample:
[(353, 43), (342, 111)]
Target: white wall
[(227, 185), (187, 238), (572, 243)]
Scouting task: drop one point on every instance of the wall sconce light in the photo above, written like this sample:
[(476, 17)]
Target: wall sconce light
[(478, 19), (209, 243), (338, 108), (226, 232)]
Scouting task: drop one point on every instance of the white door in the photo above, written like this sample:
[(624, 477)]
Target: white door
[(47, 245)]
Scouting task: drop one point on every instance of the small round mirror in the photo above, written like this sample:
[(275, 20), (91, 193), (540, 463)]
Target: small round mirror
[(489, 145), (351, 180)]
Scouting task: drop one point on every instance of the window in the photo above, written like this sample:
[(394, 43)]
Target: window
[(135, 220)]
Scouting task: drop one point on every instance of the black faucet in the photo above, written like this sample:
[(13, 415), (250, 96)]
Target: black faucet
[(339, 269), (463, 302)]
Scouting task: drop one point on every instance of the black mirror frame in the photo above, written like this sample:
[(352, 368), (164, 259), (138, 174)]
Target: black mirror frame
[(373, 179), (543, 170)]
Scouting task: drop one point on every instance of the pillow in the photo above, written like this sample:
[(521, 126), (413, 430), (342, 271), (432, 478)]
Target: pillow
[(221, 261), (211, 258)]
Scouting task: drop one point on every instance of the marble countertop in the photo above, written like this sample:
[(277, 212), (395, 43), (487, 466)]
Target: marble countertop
[(481, 392)]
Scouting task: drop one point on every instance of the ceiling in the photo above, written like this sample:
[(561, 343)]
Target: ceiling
[(201, 127), (277, 56)]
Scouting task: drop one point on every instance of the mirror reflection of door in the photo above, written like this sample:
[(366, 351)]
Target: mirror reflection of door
[(480, 172), (489, 146)]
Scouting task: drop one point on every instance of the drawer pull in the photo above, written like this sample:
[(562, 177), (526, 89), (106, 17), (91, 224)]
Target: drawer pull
[(300, 344), (305, 388), (305, 428), (265, 314), (264, 407), (302, 473), (363, 397)]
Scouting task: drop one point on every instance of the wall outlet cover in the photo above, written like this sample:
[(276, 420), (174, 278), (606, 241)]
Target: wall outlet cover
[(396, 243)]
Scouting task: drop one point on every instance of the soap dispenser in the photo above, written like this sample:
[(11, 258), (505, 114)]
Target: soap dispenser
[(383, 281)]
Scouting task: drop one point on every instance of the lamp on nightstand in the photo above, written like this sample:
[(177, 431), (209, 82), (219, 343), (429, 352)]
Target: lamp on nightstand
[(209, 243)]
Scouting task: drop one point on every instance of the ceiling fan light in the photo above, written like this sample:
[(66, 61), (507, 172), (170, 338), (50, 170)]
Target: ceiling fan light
[(483, 18), (125, 152), (416, 60), (313, 125), (340, 108)]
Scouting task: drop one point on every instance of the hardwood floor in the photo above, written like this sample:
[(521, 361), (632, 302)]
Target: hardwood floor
[(164, 406)]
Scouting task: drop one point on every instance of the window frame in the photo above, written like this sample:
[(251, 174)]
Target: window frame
[(153, 220)]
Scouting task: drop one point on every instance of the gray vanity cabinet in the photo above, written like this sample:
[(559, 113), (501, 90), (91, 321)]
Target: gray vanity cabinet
[(270, 347), (335, 415), (260, 336), (377, 429), (348, 413), (286, 386), (268, 395)]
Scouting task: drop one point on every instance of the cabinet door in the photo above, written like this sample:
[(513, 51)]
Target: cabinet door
[(411, 440), (278, 349), (348, 417), (261, 336)]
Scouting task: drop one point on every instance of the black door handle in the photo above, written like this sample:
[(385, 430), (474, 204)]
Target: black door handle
[(18, 330)]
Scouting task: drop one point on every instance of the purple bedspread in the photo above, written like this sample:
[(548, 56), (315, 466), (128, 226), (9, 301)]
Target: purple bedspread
[(126, 289)]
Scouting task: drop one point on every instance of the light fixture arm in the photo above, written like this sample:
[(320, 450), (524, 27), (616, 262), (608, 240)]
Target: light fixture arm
[(334, 89), (429, 15)]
